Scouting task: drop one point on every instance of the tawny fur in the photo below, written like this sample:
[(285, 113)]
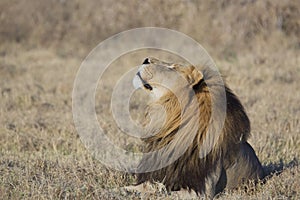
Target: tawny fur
[(231, 162)]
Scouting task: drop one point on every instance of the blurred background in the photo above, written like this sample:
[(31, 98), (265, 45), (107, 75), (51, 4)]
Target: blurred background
[(255, 44), (224, 26)]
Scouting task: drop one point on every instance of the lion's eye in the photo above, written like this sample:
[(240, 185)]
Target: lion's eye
[(147, 86)]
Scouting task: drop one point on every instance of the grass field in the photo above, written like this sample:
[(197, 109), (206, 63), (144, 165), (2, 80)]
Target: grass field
[(255, 44)]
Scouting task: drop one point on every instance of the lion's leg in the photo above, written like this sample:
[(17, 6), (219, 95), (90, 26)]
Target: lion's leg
[(185, 194), (212, 180), (246, 167), (145, 187)]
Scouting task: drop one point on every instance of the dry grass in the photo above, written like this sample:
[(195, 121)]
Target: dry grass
[(254, 43)]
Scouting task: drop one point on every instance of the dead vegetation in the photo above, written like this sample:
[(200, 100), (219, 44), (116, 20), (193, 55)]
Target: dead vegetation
[(254, 43)]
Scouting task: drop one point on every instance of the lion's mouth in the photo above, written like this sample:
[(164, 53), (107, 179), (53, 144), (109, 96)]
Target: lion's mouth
[(146, 85)]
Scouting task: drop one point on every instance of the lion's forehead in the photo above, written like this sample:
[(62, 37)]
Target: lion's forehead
[(169, 73), (169, 68)]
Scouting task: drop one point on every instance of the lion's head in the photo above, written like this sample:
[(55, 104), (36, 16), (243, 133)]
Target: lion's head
[(160, 78), (204, 134)]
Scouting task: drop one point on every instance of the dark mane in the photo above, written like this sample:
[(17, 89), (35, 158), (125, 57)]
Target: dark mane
[(190, 171)]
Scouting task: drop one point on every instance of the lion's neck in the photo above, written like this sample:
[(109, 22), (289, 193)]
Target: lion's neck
[(190, 116)]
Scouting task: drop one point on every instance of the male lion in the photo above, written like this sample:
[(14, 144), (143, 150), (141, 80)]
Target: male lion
[(197, 151)]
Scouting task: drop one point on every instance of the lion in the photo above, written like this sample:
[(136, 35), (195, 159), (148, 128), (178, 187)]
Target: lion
[(198, 154)]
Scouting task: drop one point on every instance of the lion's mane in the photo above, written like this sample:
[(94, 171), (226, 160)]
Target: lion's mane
[(190, 171)]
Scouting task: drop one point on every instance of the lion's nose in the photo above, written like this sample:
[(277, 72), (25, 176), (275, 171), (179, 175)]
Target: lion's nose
[(146, 61)]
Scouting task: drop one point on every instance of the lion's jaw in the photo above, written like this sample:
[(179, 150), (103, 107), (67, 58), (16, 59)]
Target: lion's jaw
[(154, 85), (159, 78)]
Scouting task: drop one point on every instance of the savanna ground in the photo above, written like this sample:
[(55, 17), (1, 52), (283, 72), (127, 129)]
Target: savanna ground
[(255, 44)]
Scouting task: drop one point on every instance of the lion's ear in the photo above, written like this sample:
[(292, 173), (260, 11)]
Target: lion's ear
[(194, 76)]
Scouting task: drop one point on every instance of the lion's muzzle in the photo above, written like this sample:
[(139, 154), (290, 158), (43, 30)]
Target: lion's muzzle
[(141, 78)]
